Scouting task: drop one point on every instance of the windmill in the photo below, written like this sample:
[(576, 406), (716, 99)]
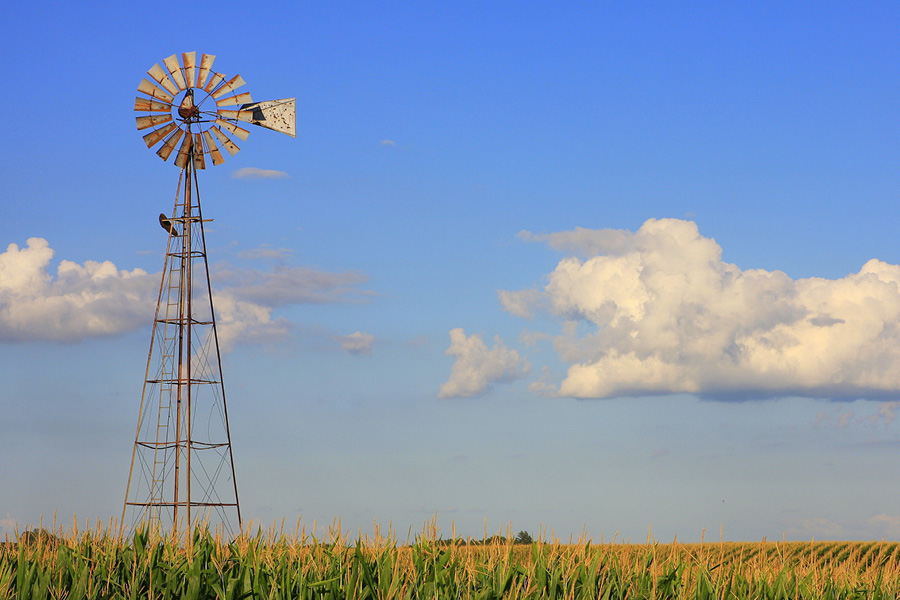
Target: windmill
[(182, 472)]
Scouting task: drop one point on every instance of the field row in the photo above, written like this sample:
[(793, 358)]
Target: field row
[(95, 565)]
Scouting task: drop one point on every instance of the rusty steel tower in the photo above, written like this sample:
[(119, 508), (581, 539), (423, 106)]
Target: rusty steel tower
[(182, 471)]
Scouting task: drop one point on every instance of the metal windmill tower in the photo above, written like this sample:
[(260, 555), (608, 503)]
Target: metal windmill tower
[(182, 472)]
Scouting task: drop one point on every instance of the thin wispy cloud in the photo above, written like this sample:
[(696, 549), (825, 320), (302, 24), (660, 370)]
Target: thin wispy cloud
[(255, 173), (887, 412), (285, 285), (265, 253), (878, 526), (389, 143), (8, 525), (657, 311), (885, 522), (869, 415)]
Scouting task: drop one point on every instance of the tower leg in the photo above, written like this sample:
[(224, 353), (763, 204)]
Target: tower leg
[(182, 476)]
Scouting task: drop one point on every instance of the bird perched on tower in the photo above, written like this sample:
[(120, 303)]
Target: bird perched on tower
[(166, 224)]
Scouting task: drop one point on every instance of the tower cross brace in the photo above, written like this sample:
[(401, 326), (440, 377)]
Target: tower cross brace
[(182, 471)]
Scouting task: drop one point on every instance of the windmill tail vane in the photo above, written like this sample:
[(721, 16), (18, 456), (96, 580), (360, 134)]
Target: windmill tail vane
[(182, 471)]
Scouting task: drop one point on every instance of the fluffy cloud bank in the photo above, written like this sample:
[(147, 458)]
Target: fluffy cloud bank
[(97, 299), (87, 300), (657, 311), (477, 368)]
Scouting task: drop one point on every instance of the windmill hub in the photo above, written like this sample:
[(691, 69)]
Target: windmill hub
[(209, 114), (187, 109)]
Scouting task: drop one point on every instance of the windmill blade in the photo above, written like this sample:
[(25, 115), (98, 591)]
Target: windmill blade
[(199, 160), (145, 87), (233, 129), (182, 157), (152, 138), (226, 143), (175, 71), (231, 100), (277, 115), (180, 132), (189, 59), (213, 149), (162, 78), (147, 105), (206, 62), (166, 149), (152, 121), (215, 80), (229, 86)]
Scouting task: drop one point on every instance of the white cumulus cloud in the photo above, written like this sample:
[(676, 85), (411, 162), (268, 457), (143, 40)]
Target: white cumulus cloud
[(93, 299), (657, 311), (239, 321), (357, 343), (477, 367), (255, 173), (97, 299)]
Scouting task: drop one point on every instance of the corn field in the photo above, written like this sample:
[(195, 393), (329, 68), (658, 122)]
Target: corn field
[(95, 565)]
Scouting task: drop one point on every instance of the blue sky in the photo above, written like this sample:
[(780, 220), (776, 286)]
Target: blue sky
[(589, 266)]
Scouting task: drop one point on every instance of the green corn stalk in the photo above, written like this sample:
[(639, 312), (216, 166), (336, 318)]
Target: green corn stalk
[(93, 566)]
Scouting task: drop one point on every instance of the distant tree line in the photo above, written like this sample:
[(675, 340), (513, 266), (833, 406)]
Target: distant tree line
[(523, 537)]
